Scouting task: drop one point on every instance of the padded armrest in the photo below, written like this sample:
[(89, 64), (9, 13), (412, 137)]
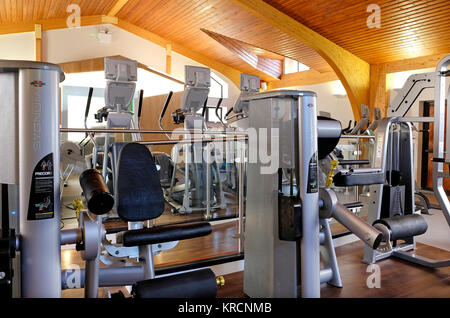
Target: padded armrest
[(347, 178), (166, 233)]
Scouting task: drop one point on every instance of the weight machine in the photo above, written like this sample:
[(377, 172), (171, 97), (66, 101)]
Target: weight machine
[(287, 231), (31, 239), (392, 209)]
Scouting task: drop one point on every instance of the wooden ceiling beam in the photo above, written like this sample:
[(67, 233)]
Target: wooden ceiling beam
[(416, 63), (353, 72), (228, 71), (118, 5), (302, 78)]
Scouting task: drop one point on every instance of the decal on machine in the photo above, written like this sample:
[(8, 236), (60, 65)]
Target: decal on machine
[(313, 184), (41, 204)]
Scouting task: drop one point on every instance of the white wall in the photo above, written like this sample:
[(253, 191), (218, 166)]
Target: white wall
[(68, 45), (20, 46)]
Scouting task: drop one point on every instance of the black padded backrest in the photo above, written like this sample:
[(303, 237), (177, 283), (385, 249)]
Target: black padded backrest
[(139, 193)]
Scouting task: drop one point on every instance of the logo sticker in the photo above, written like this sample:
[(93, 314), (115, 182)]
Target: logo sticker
[(37, 83)]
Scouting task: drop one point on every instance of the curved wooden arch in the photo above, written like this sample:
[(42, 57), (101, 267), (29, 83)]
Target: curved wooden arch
[(353, 72)]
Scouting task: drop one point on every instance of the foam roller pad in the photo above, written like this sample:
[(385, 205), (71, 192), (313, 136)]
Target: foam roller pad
[(404, 226), (166, 233), (198, 284), (98, 198)]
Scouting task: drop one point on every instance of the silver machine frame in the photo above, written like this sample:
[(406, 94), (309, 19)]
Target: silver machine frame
[(30, 91), (275, 266), (393, 141)]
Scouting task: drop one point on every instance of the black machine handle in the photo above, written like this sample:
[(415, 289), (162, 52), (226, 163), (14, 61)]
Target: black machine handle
[(348, 128), (88, 104), (204, 107), (166, 104), (217, 109), (229, 112), (141, 99)]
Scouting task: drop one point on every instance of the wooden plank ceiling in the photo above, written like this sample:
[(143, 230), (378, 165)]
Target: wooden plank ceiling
[(182, 21), (409, 28)]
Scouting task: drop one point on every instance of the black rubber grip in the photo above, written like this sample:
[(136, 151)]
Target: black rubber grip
[(88, 104), (98, 198), (218, 106), (404, 226), (141, 99), (166, 233), (166, 104), (197, 284), (204, 107)]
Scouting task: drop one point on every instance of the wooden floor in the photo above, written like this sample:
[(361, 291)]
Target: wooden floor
[(399, 279)]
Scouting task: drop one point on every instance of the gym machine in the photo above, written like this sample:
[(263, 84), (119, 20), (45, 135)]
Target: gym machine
[(202, 188), (287, 231), (30, 167), (393, 209), (31, 239), (139, 201)]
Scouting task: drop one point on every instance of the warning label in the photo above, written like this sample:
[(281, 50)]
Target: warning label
[(41, 203)]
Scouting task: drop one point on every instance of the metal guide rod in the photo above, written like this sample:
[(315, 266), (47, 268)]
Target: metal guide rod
[(358, 136), (309, 195), (240, 231), (208, 183), (174, 142), (142, 131), (439, 137)]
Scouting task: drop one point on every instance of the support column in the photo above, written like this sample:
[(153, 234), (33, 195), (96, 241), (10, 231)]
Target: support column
[(378, 88), (169, 58), (38, 37)]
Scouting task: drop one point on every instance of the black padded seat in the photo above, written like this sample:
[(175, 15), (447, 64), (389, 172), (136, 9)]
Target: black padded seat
[(139, 193), (166, 233), (354, 178), (140, 198)]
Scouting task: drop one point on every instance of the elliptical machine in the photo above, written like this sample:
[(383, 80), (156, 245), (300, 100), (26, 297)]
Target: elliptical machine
[(199, 172)]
